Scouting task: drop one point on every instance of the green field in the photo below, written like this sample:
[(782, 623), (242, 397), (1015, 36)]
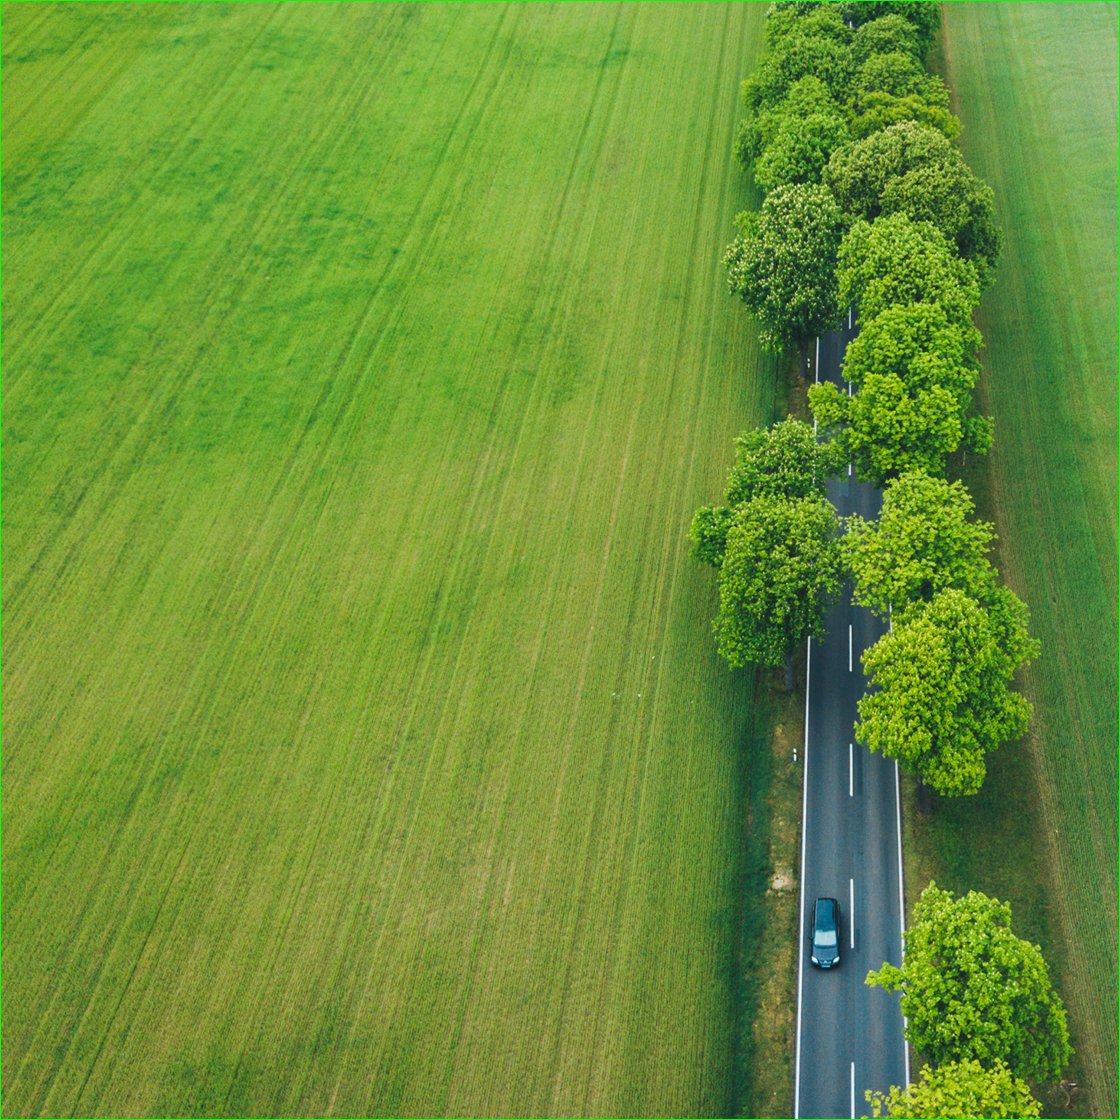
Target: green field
[(365, 746), (1036, 88)]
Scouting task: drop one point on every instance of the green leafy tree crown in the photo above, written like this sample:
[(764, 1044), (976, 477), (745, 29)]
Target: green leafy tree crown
[(797, 45), (783, 263), (972, 990), (924, 541), (923, 16), (782, 461), (893, 260), (911, 168), (955, 1089), (779, 576), (885, 35), (940, 700)]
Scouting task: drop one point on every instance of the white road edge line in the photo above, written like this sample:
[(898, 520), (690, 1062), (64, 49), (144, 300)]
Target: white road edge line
[(801, 917), (852, 917), (901, 910), (854, 1090), (851, 775), (849, 647), (816, 378)]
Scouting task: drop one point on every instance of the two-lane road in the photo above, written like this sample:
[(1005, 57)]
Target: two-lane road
[(849, 1036)]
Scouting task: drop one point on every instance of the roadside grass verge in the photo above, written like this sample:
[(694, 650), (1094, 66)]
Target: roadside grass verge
[(366, 751), (770, 928)]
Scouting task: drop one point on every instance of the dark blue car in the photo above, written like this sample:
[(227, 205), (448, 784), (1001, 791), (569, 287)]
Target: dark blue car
[(825, 936)]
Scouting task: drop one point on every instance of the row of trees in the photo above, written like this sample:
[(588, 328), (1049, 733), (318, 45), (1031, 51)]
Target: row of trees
[(869, 204), (897, 225)]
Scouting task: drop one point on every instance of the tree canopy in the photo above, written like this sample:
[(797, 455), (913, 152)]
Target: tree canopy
[(792, 141), (798, 45), (918, 342), (924, 541), (782, 461), (897, 73), (893, 85), (960, 204), (956, 1089), (779, 576), (914, 372), (858, 173), (924, 16), (807, 97), (800, 148), (880, 109), (912, 169), (889, 427), (797, 7), (884, 35), (783, 263), (893, 260), (940, 699), (775, 542), (972, 990)]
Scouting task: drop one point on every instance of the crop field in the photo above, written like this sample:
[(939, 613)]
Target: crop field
[(1036, 87), (365, 746)]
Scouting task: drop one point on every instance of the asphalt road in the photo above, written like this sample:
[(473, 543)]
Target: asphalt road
[(849, 1036)]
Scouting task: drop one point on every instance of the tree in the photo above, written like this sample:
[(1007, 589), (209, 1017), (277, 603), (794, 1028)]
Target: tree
[(708, 533), (782, 461), (880, 110), (923, 542), (912, 169), (798, 7), (972, 990), (918, 342), (799, 150), (884, 35), (893, 86), (923, 15), (792, 141), (858, 173), (964, 1088), (779, 576), (961, 205), (893, 260), (783, 264), (898, 73), (888, 427), (939, 699), (914, 371), (798, 46), (806, 97)]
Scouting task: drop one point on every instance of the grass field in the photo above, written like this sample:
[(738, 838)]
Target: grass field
[(365, 746), (1036, 88)]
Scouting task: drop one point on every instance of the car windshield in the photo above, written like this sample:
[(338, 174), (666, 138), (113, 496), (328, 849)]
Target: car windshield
[(826, 937)]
